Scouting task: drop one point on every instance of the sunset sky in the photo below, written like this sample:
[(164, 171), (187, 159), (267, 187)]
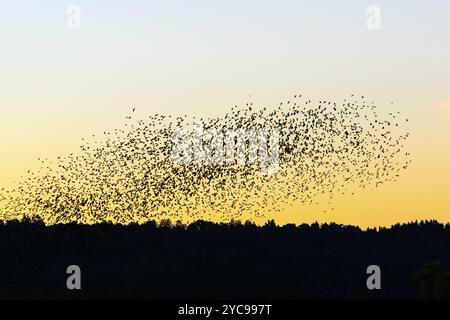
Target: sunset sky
[(59, 84)]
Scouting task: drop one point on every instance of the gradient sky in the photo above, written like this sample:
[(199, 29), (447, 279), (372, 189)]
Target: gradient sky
[(202, 57)]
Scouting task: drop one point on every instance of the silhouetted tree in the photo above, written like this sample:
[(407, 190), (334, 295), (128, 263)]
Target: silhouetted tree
[(434, 282), (223, 260)]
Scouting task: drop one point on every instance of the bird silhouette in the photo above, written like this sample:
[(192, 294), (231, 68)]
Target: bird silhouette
[(131, 175)]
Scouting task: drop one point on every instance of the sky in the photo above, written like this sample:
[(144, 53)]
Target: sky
[(60, 83)]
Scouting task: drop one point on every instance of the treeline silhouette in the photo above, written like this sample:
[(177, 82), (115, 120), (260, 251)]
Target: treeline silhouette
[(227, 260)]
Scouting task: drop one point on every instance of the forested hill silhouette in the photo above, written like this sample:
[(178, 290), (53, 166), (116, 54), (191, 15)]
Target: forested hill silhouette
[(209, 260)]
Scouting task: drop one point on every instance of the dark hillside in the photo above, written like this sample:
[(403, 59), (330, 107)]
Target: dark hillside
[(207, 260)]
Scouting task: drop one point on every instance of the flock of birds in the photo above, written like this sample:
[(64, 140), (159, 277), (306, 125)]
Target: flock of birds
[(129, 175)]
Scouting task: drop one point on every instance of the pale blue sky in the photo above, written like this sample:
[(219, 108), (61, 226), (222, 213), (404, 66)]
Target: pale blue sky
[(201, 57)]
